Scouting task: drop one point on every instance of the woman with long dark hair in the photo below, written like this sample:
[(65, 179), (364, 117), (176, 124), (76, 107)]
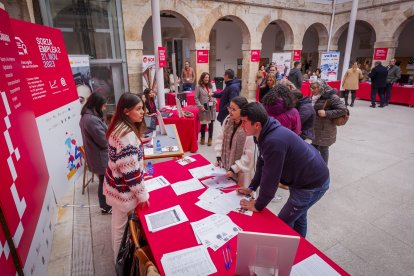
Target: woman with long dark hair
[(207, 106), (124, 179), (150, 107), (235, 150), (93, 128)]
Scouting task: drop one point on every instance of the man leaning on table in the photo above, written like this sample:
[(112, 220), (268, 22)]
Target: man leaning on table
[(283, 157)]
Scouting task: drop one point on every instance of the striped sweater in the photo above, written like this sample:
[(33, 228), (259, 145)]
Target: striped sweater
[(124, 179)]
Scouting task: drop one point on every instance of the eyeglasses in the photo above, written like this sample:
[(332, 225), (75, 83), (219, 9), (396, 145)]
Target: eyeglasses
[(232, 109)]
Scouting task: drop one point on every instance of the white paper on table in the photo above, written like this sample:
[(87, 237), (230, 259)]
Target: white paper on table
[(186, 186), (219, 182), (243, 211), (165, 218), (156, 183), (169, 149), (210, 194), (313, 265), (190, 261), (223, 204), (185, 160), (148, 151), (207, 170), (214, 231)]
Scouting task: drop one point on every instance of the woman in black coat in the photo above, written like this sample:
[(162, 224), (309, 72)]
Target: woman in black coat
[(307, 115), (93, 128)]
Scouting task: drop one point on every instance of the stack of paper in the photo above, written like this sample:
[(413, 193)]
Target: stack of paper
[(219, 182), (214, 231), (156, 183), (165, 218), (222, 203), (205, 171), (190, 261), (186, 186)]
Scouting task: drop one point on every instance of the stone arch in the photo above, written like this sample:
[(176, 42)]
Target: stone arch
[(237, 20), (409, 16), (338, 33), (284, 26), (322, 32)]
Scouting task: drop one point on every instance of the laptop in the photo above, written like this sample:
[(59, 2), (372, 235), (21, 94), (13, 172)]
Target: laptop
[(150, 123)]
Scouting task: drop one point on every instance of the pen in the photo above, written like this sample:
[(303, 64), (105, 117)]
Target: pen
[(229, 251), (226, 263)]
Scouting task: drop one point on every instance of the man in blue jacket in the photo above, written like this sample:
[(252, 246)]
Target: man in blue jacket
[(232, 90), (283, 157), (378, 77)]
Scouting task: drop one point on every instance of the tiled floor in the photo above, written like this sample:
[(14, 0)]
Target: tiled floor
[(364, 222)]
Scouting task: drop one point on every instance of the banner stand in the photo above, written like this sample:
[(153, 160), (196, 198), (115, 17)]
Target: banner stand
[(10, 242)]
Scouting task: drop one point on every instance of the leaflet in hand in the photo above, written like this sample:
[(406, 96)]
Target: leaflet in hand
[(156, 183), (206, 171), (214, 231), (165, 218)]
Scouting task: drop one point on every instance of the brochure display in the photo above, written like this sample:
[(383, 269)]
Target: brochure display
[(282, 61), (329, 66)]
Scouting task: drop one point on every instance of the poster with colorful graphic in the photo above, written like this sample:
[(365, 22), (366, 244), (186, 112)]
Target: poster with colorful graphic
[(55, 99), (329, 66), (148, 71), (283, 62), (24, 175), (202, 56)]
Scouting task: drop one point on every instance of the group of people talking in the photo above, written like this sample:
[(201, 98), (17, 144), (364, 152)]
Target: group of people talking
[(284, 139)]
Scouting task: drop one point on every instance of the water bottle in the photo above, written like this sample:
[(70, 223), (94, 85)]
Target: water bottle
[(150, 169), (158, 148)]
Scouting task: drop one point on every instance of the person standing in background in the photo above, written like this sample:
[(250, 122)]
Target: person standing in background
[(207, 106), (232, 89), (350, 83), (93, 128), (188, 77), (394, 74), (378, 77), (295, 75)]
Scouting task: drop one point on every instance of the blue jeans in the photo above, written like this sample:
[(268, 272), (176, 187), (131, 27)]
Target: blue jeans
[(324, 151), (295, 212), (187, 86)]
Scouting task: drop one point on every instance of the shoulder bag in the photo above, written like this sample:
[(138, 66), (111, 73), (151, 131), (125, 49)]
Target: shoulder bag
[(340, 121)]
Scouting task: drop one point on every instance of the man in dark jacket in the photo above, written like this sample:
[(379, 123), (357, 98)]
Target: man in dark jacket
[(394, 74), (283, 157), (295, 75), (378, 77), (307, 116), (232, 90)]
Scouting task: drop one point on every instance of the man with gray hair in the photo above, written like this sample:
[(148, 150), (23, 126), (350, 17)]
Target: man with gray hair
[(378, 77), (394, 74)]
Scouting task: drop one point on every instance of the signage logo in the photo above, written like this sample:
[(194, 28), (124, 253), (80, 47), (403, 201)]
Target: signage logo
[(21, 47)]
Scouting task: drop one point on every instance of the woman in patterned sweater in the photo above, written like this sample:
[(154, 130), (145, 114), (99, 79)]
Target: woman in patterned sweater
[(124, 179)]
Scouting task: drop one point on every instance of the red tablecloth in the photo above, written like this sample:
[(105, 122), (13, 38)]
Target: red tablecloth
[(182, 236), (187, 128), (400, 94), (306, 87), (170, 98)]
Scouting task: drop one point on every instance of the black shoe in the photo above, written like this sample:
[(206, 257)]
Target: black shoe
[(373, 106), (381, 106), (386, 104), (106, 211), (352, 105)]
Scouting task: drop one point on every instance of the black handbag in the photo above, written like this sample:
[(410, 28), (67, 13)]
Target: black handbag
[(125, 264)]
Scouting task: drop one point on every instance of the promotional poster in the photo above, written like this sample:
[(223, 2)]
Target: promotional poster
[(55, 100), (329, 66), (148, 71), (82, 76), (22, 164), (282, 61)]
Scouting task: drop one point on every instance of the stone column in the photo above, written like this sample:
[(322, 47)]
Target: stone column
[(134, 62), (202, 67), (391, 45), (249, 70)]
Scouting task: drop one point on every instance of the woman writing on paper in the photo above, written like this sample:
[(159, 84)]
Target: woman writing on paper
[(124, 179), (235, 150)]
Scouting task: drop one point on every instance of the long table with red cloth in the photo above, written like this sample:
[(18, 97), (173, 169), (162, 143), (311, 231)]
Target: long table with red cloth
[(400, 94), (306, 91), (170, 98), (181, 236), (187, 128)]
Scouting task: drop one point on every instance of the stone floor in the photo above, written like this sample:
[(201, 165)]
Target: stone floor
[(364, 222)]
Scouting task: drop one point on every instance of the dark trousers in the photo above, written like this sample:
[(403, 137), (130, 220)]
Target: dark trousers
[(210, 130), (295, 212), (187, 86), (101, 196), (381, 93), (388, 90), (324, 151), (353, 96)]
